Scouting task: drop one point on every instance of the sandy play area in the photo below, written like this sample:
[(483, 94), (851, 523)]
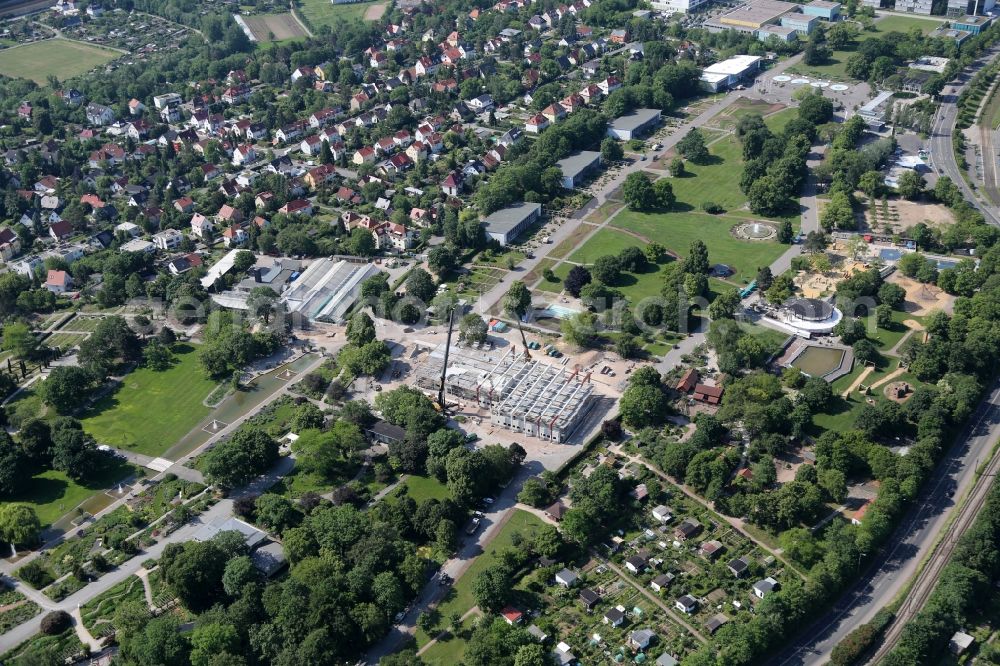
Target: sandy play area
[(921, 298), (821, 285), (904, 214)]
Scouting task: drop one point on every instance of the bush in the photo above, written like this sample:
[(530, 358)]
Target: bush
[(35, 575), (712, 208), (56, 622)]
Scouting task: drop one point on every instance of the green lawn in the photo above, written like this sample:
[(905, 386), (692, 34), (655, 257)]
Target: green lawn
[(53, 494), (605, 241), (676, 231), (776, 122), (717, 181), (61, 58), (460, 599), (324, 12), (561, 271), (835, 68), (151, 410), (423, 488)]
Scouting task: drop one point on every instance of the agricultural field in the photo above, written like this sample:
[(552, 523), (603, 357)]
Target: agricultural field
[(129, 417), (323, 12), (61, 58), (274, 27)]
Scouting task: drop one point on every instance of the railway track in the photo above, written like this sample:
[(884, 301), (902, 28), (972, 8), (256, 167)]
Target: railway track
[(928, 577), (12, 9)]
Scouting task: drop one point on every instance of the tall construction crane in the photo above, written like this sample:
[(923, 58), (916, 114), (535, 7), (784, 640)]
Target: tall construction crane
[(447, 348)]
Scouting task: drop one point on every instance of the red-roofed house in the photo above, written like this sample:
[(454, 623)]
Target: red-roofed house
[(711, 395), (58, 282), (511, 615), (297, 207), (688, 381)]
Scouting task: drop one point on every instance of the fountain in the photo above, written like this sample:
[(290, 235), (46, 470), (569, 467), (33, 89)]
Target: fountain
[(13, 550), (755, 231)]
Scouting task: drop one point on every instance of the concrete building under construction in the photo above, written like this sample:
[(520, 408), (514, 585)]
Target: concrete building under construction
[(528, 396)]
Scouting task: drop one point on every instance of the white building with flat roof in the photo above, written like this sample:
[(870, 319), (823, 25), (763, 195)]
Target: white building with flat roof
[(725, 74), (679, 6)]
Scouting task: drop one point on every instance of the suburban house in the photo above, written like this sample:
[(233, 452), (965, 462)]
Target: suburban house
[(201, 226), (662, 582), (60, 230), (688, 528), (686, 604), (168, 239), (614, 617), (762, 588), (566, 578), (711, 395), (58, 282), (636, 564), (662, 514)]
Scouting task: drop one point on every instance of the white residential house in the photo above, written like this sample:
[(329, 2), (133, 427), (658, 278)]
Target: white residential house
[(169, 239), (201, 226)]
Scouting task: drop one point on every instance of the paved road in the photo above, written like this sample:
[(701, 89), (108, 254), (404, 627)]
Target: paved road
[(493, 520), (942, 152), (899, 558)]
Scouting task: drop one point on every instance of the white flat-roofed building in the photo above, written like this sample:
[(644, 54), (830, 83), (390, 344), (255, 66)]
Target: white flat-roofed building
[(219, 268), (578, 166), (725, 74), (679, 6), (508, 223), (633, 124)]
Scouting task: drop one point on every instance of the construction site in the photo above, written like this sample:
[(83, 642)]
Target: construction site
[(523, 394)]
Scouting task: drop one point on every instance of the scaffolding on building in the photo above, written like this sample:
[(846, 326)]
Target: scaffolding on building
[(523, 395)]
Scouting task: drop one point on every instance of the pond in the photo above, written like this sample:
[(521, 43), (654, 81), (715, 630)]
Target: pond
[(818, 361)]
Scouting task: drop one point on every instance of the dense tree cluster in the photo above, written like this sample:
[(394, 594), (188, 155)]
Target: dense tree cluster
[(774, 165)]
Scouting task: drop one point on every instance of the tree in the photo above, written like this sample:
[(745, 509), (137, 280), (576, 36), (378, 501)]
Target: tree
[(492, 587), (262, 303), (611, 150), (577, 278), (677, 167), (638, 192), (74, 451), (535, 492), (725, 304), (767, 195), (420, 285), (194, 571), (693, 147), (865, 351), (472, 329), (213, 640), (157, 356), (243, 260), (18, 338), (785, 232), (870, 183), (442, 259), (234, 462), (696, 262), (19, 524), (516, 304), (239, 573), (764, 278), (815, 54), (275, 512), (911, 185), (663, 191), (607, 269), (360, 329), (643, 405), (838, 214), (816, 109), (56, 622)]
